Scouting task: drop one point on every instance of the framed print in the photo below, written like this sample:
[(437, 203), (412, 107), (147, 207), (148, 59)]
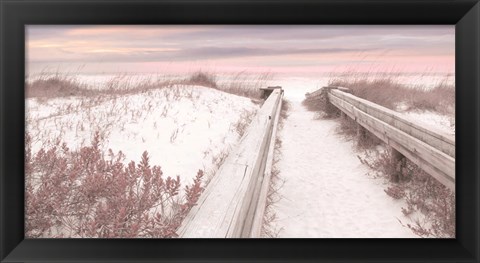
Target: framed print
[(239, 131)]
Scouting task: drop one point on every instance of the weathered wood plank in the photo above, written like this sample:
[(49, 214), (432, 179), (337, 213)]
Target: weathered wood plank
[(426, 151), (240, 220), (264, 180), (202, 220), (435, 162), (223, 208), (443, 142), (243, 221)]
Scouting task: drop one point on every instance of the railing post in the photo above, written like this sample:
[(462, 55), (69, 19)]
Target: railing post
[(399, 161), (330, 109), (361, 132), (267, 91)]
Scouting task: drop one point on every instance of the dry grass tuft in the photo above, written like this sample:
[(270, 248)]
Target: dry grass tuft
[(241, 83), (314, 103), (245, 84), (321, 105), (54, 86), (273, 196), (57, 85), (351, 130), (243, 123), (386, 90), (201, 78), (286, 106)]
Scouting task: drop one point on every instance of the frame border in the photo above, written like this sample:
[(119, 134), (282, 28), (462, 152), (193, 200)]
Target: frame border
[(15, 14)]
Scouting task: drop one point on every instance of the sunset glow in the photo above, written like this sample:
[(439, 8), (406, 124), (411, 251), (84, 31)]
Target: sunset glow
[(226, 48)]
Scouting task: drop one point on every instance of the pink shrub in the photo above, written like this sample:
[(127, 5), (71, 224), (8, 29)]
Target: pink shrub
[(421, 192), (83, 194)]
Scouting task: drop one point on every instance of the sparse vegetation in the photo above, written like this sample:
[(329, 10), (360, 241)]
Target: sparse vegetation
[(430, 204), (245, 84), (201, 78), (74, 112), (286, 106), (314, 103), (242, 83), (89, 193), (276, 182), (244, 121), (351, 130), (54, 86), (386, 90), (273, 195), (319, 103), (58, 85), (217, 160)]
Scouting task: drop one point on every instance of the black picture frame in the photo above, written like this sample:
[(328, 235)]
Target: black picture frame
[(15, 14)]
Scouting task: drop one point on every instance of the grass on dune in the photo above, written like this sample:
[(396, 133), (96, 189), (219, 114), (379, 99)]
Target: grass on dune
[(388, 91), (429, 204), (57, 85), (101, 194)]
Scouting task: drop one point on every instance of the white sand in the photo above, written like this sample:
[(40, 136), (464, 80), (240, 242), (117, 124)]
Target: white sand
[(434, 121), (181, 134), (327, 193)]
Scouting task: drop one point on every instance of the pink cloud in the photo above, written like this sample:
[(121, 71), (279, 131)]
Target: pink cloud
[(233, 48)]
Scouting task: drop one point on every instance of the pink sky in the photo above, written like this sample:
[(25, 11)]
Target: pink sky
[(278, 49)]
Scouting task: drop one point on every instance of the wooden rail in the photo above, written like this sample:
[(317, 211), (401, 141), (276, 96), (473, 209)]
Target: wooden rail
[(430, 150), (233, 203)]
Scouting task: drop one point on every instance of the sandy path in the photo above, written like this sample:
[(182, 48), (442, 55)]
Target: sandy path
[(327, 193)]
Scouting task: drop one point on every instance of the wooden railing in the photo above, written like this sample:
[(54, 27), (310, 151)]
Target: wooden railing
[(233, 203), (432, 151)]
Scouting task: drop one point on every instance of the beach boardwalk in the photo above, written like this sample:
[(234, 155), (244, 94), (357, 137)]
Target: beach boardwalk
[(327, 192)]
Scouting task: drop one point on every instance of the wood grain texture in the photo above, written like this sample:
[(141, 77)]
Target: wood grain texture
[(426, 153), (257, 223), (226, 208), (443, 142)]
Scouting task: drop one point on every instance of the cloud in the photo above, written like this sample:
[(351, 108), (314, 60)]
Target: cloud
[(204, 53), (280, 44), (227, 52), (308, 32)]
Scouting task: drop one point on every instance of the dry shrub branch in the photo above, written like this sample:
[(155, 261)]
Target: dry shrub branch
[(86, 194)]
